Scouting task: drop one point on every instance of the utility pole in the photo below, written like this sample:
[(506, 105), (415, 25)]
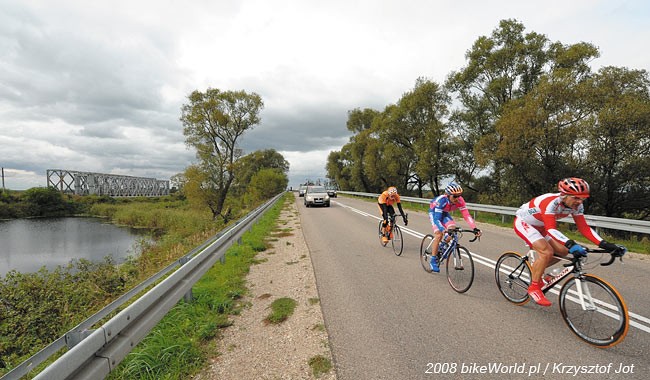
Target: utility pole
[(3, 179)]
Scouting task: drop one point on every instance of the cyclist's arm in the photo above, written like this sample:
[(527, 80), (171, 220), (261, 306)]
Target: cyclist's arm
[(585, 230), (550, 225), (462, 207), (435, 215), (399, 206)]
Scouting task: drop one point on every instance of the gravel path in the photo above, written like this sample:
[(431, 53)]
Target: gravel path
[(253, 349)]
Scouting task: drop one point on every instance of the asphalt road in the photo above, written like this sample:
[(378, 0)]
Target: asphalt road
[(389, 319)]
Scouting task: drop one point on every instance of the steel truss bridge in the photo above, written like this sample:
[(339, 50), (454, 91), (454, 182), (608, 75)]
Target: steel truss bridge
[(86, 183)]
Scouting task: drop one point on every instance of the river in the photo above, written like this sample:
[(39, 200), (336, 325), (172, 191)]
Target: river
[(28, 244)]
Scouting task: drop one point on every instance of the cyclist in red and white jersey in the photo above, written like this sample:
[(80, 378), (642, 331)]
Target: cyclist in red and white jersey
[(535, 222)]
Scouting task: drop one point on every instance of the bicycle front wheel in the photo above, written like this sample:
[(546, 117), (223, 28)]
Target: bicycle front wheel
[(460, 269), (425, 252), (594, 311), (381, 234), (512, 274), (397, 241)]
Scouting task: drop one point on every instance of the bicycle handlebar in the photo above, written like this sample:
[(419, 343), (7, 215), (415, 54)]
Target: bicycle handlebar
[(456, 229), (612, 255)]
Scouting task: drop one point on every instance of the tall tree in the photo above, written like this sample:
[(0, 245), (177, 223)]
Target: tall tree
[(213, 121), (502, 67), (348, 167), (542, 133), (619, 143), (420, 131)]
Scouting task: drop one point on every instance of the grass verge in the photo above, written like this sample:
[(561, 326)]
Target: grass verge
[(178, 346)]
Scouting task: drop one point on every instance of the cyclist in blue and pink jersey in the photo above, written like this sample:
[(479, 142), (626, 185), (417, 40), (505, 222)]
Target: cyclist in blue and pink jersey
[(535, 222), (440, 217)]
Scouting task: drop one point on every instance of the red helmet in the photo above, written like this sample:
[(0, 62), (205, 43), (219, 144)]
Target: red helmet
[(574, 186)]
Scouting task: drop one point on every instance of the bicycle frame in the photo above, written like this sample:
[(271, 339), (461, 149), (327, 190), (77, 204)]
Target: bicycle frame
[(456, 234), (574, 267), (391, 219), (592, 308)]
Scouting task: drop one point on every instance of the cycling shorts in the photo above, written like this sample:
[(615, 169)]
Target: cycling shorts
[(447, 221), (528, 233)]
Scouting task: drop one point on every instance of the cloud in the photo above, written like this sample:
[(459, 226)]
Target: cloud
[(98, 86)]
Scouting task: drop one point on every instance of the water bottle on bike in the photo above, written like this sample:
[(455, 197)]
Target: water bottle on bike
[(549, 276)]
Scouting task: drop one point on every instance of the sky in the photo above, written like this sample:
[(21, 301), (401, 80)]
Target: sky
[(98, 85)]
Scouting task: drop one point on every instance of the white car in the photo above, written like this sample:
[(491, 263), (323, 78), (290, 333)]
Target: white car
[(316, 196), (301, 190)]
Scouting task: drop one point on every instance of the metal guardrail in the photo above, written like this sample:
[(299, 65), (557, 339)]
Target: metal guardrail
[(622, 224), (93, 354)]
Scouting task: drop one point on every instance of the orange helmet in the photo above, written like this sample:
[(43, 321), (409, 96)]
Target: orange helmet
[(453, 189), (573, 186), (392, 191)]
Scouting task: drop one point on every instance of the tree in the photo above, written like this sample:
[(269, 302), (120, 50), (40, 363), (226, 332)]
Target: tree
[(250, 164), (47, 201), (265, 184), (502, 67), (619, 143), (420, 131), (212, 124), (533, 80), (348, 167)]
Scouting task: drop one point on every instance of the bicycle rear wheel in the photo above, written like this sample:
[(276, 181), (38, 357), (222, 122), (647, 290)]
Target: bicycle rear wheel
[(512, 274), (381, 233), (425, 252), (603, 320), (460, 269), (397, 240)]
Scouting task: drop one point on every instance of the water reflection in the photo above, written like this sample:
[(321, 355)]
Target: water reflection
[(28, 244)]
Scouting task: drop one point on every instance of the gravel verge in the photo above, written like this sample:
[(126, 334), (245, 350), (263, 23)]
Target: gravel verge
[(254, 349)]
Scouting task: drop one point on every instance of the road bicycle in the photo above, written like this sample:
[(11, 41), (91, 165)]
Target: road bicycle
[(592, 308), (459, 264), (393, 233)]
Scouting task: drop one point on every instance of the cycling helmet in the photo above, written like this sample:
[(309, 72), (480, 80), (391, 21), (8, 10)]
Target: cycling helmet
[(392, 191), (574, 186), (453, 189)]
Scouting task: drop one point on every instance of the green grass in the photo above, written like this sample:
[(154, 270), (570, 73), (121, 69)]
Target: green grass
[(178, 347), (320, 365), (281, 309)]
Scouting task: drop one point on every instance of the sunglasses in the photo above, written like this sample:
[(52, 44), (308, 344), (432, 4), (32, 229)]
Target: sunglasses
[(454, 196), (578, 198)]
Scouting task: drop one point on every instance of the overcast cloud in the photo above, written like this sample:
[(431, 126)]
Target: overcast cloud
[(98, 85)]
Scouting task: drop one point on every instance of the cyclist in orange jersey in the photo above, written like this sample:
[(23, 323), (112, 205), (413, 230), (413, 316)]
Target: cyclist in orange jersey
[(535, 222), (385, 203)]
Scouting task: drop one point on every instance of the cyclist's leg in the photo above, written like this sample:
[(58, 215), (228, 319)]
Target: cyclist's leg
[(391, 216), (437, 234), (536, 241), (448, 222), (384, 217)]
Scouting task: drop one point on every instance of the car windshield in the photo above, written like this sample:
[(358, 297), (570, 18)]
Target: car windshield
[(316, 189)]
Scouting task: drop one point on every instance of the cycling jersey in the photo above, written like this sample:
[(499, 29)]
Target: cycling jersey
[(542, 213), (440, 208), (384, 198)]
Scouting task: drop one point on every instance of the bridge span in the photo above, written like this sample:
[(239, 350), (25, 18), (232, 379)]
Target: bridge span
[(88, 183)]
